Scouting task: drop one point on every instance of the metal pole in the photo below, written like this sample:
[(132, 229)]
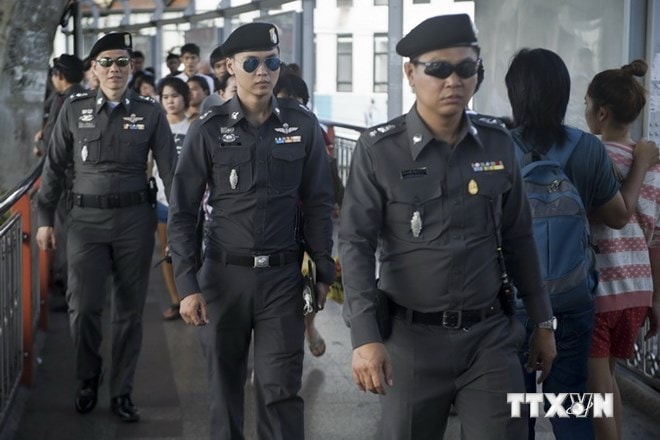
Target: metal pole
[(77, 30), (394, 71), (308, 45)]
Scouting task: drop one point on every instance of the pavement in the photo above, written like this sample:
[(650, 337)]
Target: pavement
[(172, 394)]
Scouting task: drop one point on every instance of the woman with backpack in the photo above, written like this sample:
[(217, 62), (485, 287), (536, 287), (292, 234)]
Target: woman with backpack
[(538, 85), (628, 258)]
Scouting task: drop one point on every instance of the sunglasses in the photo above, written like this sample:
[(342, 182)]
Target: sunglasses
[(251, 64), (443, 69), (107, 62)]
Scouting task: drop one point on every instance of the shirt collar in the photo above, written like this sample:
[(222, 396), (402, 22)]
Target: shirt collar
[(100, 100), (236, 112)]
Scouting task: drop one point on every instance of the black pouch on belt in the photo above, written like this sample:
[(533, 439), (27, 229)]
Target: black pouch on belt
[(153, 190), (383, 314)]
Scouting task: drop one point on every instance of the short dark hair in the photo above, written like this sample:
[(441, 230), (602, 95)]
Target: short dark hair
[(202, 83), (137, 54), (292, 86), (190, 48), (539, 87), (177, 84), (171, 56)]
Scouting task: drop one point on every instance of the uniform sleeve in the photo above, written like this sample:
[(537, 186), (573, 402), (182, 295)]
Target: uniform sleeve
[(317, 202), (188, 185), (519, 247), (361, 222), (164, 151), (58, 156)]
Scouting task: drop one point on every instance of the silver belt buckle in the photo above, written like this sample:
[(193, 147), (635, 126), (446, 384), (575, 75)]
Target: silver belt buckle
[(261, 261)]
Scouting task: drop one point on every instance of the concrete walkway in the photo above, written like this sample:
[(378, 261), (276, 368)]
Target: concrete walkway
[(171, 389)]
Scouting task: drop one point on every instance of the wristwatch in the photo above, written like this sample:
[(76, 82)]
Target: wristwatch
[(550, 324)]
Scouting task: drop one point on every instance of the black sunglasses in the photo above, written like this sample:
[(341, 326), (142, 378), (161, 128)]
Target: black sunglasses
[(107, 62), (443, 69), (251, 64)]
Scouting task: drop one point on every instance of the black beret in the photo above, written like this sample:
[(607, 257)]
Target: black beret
[(438, 32), (68, 63), (111, 41), (251, 37), (216, 56)]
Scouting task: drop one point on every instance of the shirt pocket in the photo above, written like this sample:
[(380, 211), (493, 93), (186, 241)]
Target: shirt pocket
[(287, 166), (232, 168), (88, 149), (487, 202), (415, 212), (133, 146)]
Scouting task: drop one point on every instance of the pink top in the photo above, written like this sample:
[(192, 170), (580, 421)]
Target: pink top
[(623, 258)]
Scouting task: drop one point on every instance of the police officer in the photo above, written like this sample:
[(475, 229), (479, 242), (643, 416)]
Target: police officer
[(436, 189), (106, 136), (262, 159)]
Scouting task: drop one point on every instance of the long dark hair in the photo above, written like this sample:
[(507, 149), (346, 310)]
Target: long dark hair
[(539, 87)]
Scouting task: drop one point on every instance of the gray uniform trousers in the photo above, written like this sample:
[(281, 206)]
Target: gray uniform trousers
[(269, 301), (121, 247), (434, 367)]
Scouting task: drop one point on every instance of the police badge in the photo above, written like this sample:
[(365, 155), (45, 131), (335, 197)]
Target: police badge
[(233, 178), (416, 224), (84, 153)]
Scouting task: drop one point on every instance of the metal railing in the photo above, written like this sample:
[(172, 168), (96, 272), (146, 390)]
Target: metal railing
[(23, 288)]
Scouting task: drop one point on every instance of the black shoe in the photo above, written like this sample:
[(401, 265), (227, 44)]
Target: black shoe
[(122, 406), (87, 394)]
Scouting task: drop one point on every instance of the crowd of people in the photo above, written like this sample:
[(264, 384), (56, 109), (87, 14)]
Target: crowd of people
[(449, 298)]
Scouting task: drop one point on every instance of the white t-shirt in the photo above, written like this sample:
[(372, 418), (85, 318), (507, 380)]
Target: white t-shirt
[(179, 131)]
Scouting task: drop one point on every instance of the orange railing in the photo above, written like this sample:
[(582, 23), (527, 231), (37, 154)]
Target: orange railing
[(23, 288)]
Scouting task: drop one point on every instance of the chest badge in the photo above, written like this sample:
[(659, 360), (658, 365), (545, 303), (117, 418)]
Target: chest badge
[(229, 137), (84, 153), (132, 124), (286, 129), (416, 224), (233, 178), (473, 188)]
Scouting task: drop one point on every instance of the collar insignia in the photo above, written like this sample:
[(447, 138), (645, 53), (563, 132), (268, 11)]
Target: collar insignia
[(234, 115), (417, 138)]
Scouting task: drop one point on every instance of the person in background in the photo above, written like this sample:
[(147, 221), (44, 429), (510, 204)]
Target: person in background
[(173, 61), (219, 65), (199, 90), (174, 97), (422, 190), (629, 258), (106, 136), (538, 85), (137, 69), (191, 65), (90, 81), (146, 86), (260, 158)]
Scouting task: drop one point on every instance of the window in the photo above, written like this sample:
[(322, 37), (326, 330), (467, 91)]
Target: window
[(344, 3), (380, 2), (344, 63), (421, 1), (380, 63)]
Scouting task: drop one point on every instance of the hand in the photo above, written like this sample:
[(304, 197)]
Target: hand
[(646, 151), (321, 290), (46, 238), (654, 317), (542, 352), (193, 310), (372, 368), (38, 136), (36, 151)]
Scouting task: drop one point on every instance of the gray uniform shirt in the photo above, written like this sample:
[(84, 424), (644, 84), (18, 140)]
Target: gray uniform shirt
[(108, 148), (257, 178), (429, 208)]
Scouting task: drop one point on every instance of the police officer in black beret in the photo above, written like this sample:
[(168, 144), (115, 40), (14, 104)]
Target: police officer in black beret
[(262, 160), (436, 190), (106, 137)]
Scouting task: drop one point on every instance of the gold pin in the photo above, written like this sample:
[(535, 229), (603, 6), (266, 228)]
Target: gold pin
[(473, 188)]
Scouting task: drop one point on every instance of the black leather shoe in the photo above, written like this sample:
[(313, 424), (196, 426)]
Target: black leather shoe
[(122, 407), (87, 394)]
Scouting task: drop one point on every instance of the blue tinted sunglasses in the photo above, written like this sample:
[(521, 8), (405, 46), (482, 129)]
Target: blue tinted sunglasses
[(443, 69), (251, 64)]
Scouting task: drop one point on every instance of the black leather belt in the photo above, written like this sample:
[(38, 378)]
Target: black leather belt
[(110, 201), (256, 261), (453, 319)]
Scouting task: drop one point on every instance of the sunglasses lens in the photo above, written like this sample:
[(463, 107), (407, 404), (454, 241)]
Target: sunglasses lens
[(466, 69), (122, 61), (105, 62), (250, 64), (440, 70), (273, 63)]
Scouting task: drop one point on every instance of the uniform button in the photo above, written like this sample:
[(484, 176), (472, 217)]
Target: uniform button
[(261, 162), (456, 202), (456, 236)]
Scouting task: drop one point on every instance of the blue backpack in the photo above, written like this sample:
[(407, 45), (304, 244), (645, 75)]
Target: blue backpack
[(561, 228)]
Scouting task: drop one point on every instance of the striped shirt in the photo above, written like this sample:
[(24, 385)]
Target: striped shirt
[(624, 254)]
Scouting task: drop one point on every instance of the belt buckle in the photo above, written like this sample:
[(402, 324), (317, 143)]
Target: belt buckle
[(114, 201), (261, 261), (452, 319)]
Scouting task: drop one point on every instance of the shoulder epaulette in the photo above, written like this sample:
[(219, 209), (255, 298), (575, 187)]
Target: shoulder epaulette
[(148, 99), (293, 104), (487, 121), (80, 95), (378, 132), (212, 111)]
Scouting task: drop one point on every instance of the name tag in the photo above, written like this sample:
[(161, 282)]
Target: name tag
[(414, 173)]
